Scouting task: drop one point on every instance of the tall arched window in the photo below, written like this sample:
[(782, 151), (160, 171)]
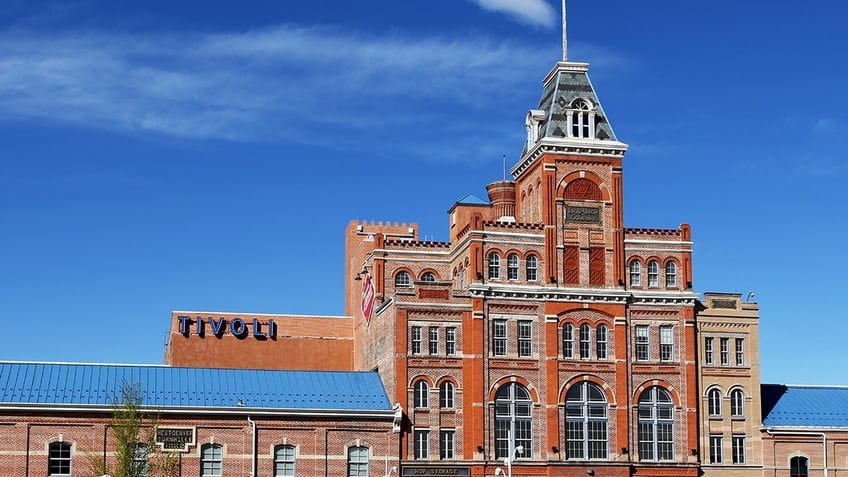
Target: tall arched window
[(59, 458), (585, 341), (402, 279), (653, 274), (421, 394), (601, 341), (737, 403), (512, 267), (568, 340), (586, 423), (656, 425), (582, 120), (670, 274), (357, 461), (635, 273), (714, 402), (798, 467), (513, 418), (284, 460), (446, 395), (532, 270), (494, 266), (211, 460)]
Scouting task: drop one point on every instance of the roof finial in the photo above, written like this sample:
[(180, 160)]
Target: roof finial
[(564, 35)]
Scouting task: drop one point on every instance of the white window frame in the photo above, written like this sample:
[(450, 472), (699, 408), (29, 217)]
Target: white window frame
[(709, 350), (450, 340), (433, 340), (532, 268), (525, 338), (666, 343), (447, 395), (512, 267), (415, 340), (447, 444), (716, 449), (653, 274), (499, 337), (421, 445), (212, 459), (671, 274), (737, 445), (403, 279), (635, 269), (602, 342), (63, 458), (724, 351), (714, 402), (421, 394), (494, 266), (285, 460), (642, 343), (568, 341), (737, 403)]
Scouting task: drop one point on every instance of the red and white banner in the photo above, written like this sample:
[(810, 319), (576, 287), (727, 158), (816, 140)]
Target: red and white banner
[(368, 295)]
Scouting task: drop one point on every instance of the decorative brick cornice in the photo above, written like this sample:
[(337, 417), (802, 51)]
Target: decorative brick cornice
[(579, 147)]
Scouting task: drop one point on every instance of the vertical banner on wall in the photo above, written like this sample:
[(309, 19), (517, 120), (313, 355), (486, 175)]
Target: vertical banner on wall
[(368, 295)]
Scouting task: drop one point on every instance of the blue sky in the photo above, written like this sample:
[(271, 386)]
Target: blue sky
[(161, 156)]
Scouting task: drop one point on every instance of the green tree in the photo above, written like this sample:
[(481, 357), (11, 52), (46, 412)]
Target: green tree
[(134, 432)]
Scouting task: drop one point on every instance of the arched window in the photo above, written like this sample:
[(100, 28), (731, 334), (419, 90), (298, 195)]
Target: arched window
[(670, 274), (601, 342), (532, 270), (568, 340), (403, 280), (653, 274), (513, 417), (585, 341), (586, 422), (428, 277), (582, 120), (512, 267), (635, 273), (283, 460), (59, 459), (656, 425), (357, 461), (737, 403), (421, 394), (211, 460), (494, 266), (798, 467), (714, 402), (446, 395)]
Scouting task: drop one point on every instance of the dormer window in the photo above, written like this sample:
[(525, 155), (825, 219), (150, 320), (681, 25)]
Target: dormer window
[(581, 119)]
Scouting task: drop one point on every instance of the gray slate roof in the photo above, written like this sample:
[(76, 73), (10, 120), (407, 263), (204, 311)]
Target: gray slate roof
[(804, 406), (559, 94), (30, 383)]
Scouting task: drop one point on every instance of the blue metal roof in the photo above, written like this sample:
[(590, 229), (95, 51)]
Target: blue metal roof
[(27, 383), (804, 406), (471, 199)]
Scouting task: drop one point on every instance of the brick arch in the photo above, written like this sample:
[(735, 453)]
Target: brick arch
[(534, 394), (592, 379), (675, 396), (431, 270), (710, 388), (604, 193), (420, 377), (734, 387), (573, 317), (447, 378)]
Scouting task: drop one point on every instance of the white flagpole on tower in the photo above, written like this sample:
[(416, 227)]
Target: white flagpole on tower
[(564, 35)]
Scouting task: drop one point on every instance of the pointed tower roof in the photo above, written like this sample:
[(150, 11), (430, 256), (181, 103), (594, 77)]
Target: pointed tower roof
[(569, 118)]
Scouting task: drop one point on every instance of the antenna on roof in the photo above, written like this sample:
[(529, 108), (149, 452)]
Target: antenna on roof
[(564, 35), (504, 167)]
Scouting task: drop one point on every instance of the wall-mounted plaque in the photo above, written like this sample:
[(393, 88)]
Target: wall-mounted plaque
[(175, 439), (585, 215)]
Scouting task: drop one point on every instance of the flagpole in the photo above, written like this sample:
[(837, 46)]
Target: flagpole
[(564, 35)]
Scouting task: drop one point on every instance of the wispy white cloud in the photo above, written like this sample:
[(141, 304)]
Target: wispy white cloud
[(277, 84), (531, 12)]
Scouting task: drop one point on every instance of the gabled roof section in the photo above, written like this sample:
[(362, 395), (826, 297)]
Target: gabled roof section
[(804, 406), (97, 385)]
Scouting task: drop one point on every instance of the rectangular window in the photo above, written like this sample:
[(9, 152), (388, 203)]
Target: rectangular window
[(568, 340), (585, 342), (211, 459), (642, 344), (601, 342), (416, 340), (738, 449), (740, 352), (422, 443), (446, 444), (725, 352), (525, 338), (450, 341), (433, 342), (709, 355), (666, 343), (716, 444), (140, 460), (499, 338)]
